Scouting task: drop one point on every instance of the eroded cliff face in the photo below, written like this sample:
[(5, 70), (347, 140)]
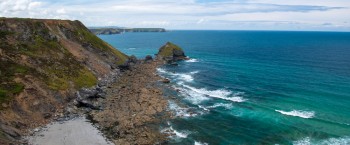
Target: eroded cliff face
[(42, 65)]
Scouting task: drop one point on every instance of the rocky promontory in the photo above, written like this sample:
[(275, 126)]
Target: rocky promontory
[(171, 53)]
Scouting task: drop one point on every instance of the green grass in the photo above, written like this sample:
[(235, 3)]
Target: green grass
[(167, 49), (59, 77), (85, 79), (8, 87), (8, 90)]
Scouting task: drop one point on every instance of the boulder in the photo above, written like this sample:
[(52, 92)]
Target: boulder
[(148, 58), (166, 81)]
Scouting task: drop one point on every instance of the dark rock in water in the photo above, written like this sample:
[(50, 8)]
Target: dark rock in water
[(166, 81), (171, 53), (148, 58)]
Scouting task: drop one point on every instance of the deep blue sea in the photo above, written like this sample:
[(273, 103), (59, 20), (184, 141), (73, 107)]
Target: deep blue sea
[(254, 87)]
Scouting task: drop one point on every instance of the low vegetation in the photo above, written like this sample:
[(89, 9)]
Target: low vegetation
[(8, 87)]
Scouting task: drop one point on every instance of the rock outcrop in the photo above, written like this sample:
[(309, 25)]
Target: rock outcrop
[(44, 64), (171, 53)]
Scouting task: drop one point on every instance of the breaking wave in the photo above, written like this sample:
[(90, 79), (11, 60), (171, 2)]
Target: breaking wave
[(298, 113), (182, 111), (330, 141), (175, 133), (187, 77), (226, 106), (192, 60), (198, 95)]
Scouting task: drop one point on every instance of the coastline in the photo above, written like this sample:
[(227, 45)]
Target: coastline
[(133, 110), (134, 107)]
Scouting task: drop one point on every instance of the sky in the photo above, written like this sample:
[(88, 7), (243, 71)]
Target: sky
[(298, 15)]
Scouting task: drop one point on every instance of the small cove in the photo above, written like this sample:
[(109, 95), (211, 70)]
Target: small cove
[(76, 131)]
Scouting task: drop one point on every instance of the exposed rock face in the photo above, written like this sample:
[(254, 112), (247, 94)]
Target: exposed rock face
[(171, 53), (46, 63)]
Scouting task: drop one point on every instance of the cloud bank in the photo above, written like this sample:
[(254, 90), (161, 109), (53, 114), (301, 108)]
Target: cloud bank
[(191, 14)]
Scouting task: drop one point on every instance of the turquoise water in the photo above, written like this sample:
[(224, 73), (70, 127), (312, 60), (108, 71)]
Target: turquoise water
[(254, 87)]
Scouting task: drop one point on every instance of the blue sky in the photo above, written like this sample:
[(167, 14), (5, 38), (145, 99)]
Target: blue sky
[(311, 15)]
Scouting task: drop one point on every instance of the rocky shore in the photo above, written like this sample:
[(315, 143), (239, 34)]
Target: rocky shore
[(133, 106), (127, 109)]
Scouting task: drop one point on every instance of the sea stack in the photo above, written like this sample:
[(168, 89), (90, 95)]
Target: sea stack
[(171, 53)]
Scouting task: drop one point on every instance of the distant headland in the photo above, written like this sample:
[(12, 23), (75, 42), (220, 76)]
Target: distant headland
[(118, 30)]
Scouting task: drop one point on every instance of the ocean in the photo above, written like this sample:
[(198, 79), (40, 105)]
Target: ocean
[(254, 87)]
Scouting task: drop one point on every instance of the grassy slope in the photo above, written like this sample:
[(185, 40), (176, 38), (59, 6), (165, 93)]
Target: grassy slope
[(50, 62)]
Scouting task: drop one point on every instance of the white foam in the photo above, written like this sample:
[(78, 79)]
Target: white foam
[(304, 141), (226, 106), (330, 141), (181, 111), (192, 60), (192, 96), (178, 134), (220, 93), (131, 48), (200, 143), (337, 141), (187, 77), (184, 77), (194, 72), (205, 109), (298, 113), (160, 70)]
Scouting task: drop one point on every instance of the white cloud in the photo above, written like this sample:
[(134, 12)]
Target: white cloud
[(190, 14), (61, 11)]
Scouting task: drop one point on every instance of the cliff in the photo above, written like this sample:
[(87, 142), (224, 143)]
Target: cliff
[(43, 63), (109, 31)]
